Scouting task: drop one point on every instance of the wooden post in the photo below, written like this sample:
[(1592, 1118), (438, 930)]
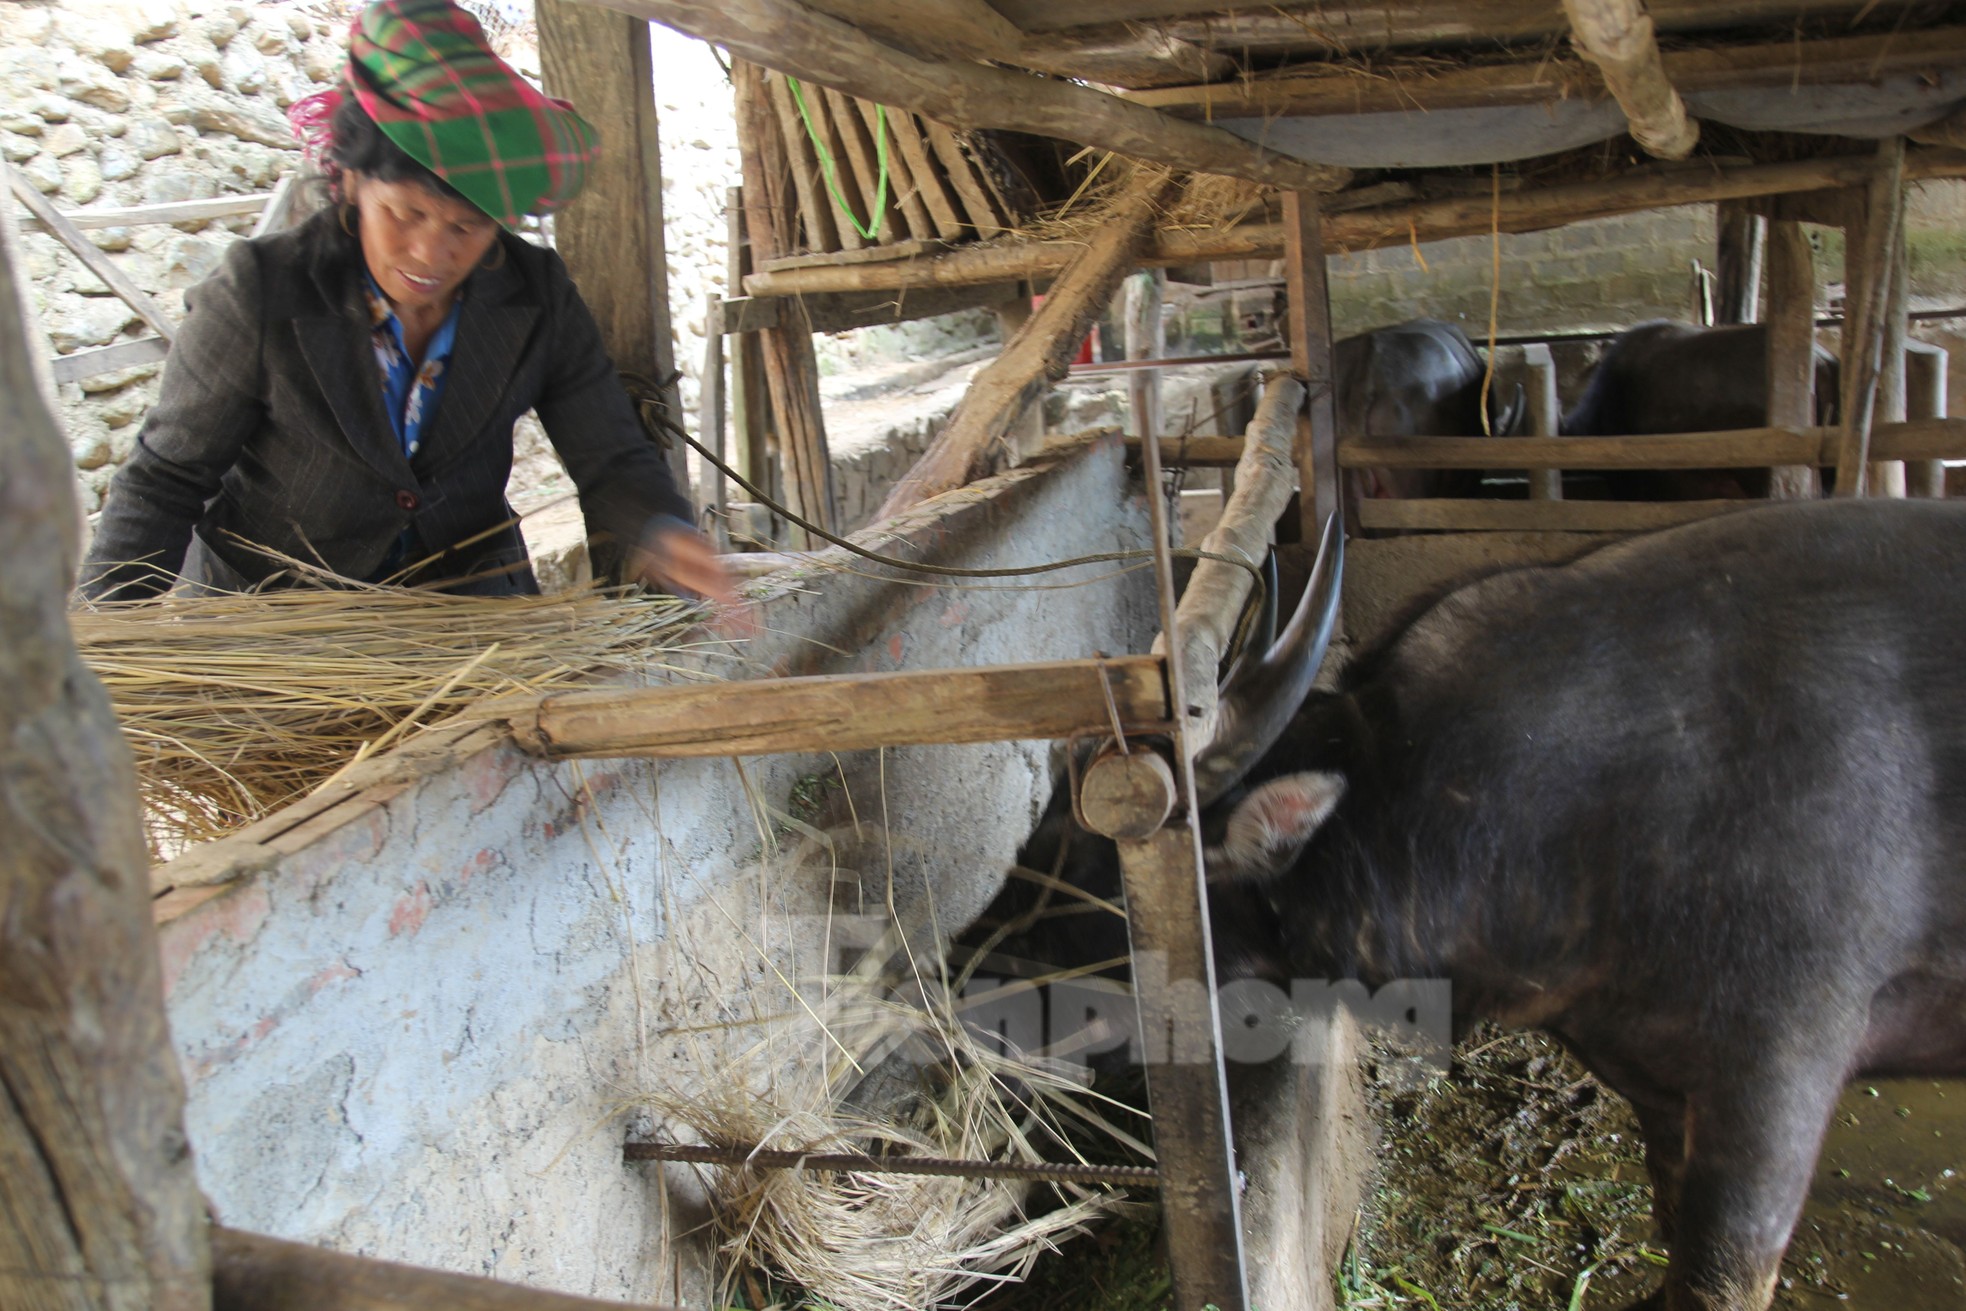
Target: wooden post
[(99, 1205), (1144, 341), (1738, 244), (1026, 437), (611, 235), (1791, 299), (1310, 360), (1887, 477), (1925, 398), (1537, 373), (1042, 350), (1868, 261), (749, 419), (710, 421), (791, 370)]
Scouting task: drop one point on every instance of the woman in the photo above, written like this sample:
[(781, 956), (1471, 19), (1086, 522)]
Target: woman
[(343, 393)]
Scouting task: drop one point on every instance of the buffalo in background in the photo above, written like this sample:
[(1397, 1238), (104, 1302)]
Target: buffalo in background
[(1666, 377)]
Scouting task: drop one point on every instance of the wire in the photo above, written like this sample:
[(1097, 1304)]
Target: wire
[(831, 168)]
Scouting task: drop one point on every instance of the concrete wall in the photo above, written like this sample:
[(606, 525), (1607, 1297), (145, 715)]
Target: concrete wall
[(412, 1013)]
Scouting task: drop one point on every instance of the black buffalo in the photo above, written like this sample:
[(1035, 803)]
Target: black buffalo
[(1422, 378), (1694, 804), (1666, 377)]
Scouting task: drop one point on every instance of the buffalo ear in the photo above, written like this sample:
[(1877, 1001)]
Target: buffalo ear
[(1270, 826)]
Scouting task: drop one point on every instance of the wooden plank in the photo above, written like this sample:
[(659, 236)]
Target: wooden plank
[(849, 712), (889, 223), (1370, 229), (908, 248), (926, 175), (981, 212), (177, 211), (108, 359), (1040, 353), (824, 51), (1928, 439), (840, 190), (251, 1272), (95, 259), (1791, 265), (99, 1202), (901, 183), (1310, 360), (611, 235), (1462, 516), (808, 183), (279, 206), (1873, 258)]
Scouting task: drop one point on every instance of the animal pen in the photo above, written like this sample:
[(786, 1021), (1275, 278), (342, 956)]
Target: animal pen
[(393, 945)]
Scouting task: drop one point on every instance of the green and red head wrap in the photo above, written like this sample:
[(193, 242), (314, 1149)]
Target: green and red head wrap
[(423, 70)]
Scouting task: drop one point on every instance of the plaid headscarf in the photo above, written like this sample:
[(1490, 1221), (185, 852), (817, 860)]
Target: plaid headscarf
[(426, 74)]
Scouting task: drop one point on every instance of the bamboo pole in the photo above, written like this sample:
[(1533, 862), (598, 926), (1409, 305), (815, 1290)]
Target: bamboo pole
[(1617, 36), (1863, 340), (826, 51), (1040, 352), (1371, 229), (1887, 477), (1266, 474)]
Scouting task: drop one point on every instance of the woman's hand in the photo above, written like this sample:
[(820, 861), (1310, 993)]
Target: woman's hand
[(679, 560)]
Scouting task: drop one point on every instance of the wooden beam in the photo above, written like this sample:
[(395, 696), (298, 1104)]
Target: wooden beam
[(1212, 602), (1310, 359), (254, 1273), (837, 311), (1617, 36), (1459, 516), (1791, 365), (1928, 439), (1371, 229), (1382, 24), (821, 49), (955, 30), (849, 712), (611, 235), (1145, 340), (93, 258), (99, 1202), (1540, 79), (1195, 452), (1873, 257), (1041, 351)]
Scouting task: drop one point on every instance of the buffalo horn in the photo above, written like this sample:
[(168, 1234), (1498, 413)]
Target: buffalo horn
[(1262, 694)]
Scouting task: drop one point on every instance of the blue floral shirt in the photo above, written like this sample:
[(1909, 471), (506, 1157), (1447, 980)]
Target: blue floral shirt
[(410, 395)]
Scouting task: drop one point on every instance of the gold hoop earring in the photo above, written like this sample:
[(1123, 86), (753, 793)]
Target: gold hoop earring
[(498, 250), (345, 210)]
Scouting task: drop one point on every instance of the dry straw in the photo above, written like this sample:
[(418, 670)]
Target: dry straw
[(237, 704), (880, 1060)]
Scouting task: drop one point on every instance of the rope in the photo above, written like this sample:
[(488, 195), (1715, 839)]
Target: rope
[(831, 169)]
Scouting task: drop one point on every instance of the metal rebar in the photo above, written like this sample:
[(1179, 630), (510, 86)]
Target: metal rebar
[(1132, 1176)]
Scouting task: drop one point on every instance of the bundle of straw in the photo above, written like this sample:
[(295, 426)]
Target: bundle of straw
[(891, 1242), (235, 705)]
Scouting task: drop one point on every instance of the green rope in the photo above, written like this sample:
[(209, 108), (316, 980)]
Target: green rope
[(831, 169)]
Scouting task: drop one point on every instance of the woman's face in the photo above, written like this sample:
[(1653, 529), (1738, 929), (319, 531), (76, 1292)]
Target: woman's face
[(419, 246)]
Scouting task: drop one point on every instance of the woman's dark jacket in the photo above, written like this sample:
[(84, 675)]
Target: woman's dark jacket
[(270, 429)]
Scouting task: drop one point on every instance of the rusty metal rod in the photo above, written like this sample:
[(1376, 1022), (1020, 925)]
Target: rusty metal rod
[(1134, 1176)]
